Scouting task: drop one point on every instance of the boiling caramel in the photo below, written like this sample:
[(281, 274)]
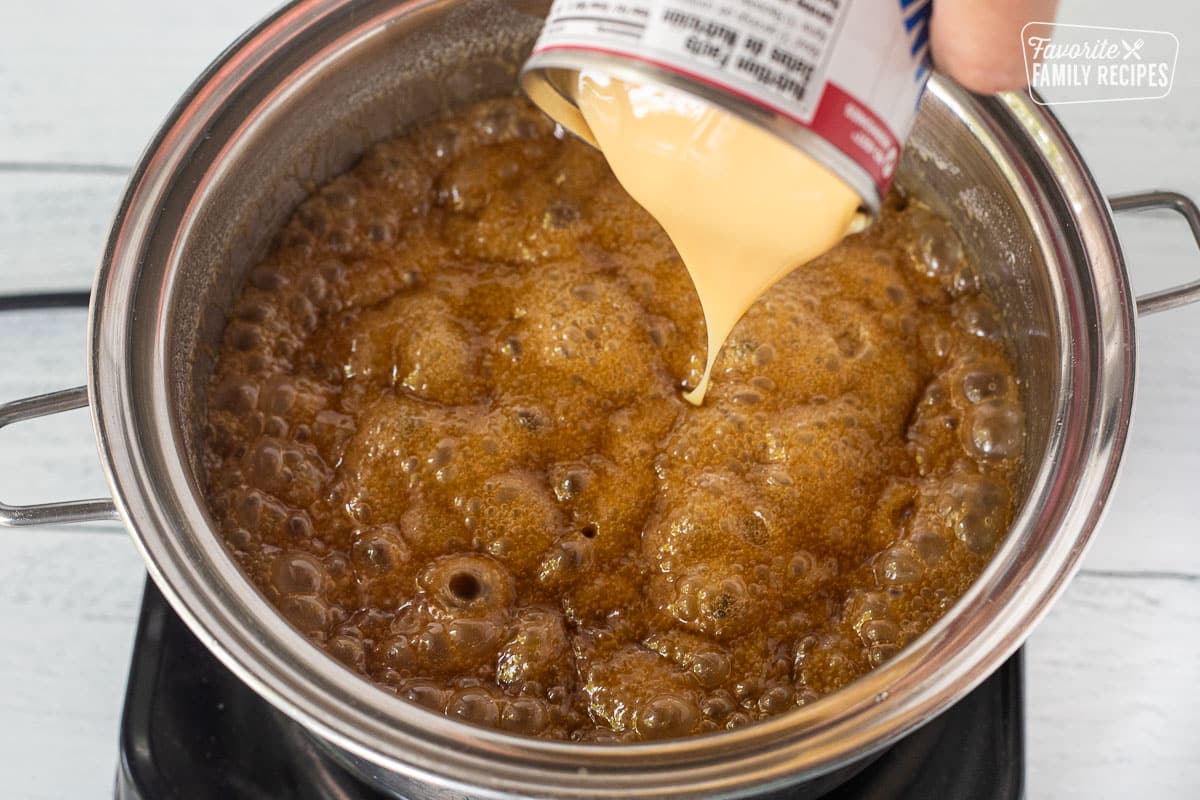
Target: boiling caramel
[(446, 440)]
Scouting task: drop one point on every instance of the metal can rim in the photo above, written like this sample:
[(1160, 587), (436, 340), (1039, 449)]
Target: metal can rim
[(541, 80)]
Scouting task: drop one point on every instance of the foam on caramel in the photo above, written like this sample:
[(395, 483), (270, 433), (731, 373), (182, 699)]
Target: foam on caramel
[(446, 441)]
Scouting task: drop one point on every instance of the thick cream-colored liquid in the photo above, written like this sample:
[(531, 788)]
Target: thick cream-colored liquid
[(742, 207)]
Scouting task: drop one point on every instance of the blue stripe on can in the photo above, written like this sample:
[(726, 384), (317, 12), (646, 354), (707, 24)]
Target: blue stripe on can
[(918, 18), (921, 40)]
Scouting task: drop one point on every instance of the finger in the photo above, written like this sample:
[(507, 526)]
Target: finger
[(978, 42)]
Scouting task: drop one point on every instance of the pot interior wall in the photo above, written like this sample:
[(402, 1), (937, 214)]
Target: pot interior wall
[(367, 85)]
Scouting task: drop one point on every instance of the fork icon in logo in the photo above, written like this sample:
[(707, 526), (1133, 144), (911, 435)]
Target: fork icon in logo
[(1131, 50)]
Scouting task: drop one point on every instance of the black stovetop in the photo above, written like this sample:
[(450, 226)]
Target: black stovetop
[(193, 731)]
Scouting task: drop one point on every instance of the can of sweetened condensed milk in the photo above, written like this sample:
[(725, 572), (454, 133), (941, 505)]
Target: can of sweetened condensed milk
[(839, 79)]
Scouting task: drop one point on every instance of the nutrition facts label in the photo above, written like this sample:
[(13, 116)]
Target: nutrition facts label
[(851, 70)]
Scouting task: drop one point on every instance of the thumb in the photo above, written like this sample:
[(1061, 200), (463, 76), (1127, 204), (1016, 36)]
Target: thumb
[(978, 42)]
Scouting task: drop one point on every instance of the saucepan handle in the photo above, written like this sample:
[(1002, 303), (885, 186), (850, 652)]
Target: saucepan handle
[(51, 513), (41, 406), (1183, 205)]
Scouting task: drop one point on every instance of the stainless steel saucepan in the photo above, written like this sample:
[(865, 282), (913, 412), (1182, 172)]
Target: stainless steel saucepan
[(292, 103)]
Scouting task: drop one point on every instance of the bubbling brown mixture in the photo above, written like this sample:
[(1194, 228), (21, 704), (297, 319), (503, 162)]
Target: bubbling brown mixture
[(446, 439)]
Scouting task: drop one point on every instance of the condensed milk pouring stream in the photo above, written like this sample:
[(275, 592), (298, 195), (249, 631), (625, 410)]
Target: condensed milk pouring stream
[(757, 132), (742, 207)]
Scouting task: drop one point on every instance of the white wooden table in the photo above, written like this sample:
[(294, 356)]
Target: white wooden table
[(1113, 672)]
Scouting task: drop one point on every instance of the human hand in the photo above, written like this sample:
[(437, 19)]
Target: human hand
[(978, 42)]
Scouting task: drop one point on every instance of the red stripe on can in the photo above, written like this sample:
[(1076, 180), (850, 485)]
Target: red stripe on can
[(850, 126)]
